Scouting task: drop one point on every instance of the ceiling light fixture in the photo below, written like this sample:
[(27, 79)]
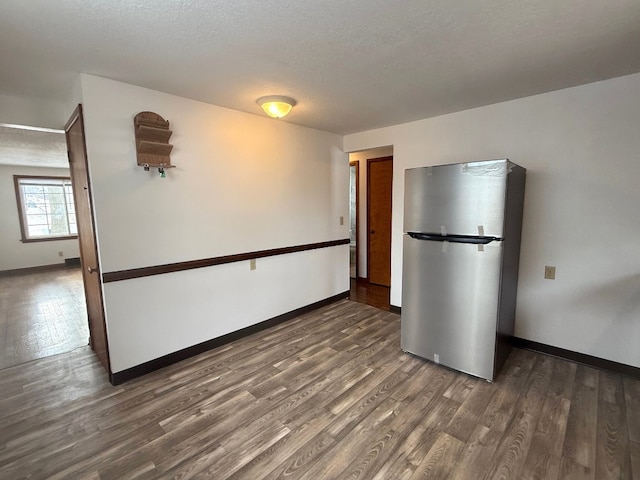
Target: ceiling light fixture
[(276, 106)]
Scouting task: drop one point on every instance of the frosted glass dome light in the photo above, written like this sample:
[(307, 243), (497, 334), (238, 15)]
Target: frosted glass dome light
[(276, 106)]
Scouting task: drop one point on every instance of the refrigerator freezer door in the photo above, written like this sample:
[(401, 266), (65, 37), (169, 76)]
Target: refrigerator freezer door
[(461, 199), (450, 302)]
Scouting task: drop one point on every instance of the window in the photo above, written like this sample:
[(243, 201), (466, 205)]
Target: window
[(46, 208)]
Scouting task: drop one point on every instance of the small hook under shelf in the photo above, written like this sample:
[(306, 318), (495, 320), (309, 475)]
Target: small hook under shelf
[(162, 168)]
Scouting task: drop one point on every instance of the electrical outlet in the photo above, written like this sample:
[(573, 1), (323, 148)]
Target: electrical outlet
[(341, 220), (252, 264), (549, 272), (60, 254)]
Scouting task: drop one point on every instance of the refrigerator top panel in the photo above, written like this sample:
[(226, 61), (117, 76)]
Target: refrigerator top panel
[(457, 199)]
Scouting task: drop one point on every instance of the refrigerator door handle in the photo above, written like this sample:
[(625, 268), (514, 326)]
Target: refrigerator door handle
[(475, 240)]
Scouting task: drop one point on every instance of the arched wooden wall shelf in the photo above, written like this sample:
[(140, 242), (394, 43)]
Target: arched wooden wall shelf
[(152, 141)]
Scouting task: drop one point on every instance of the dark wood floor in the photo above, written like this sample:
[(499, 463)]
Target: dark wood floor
[(328, 395), (369, 293), (41, 314)]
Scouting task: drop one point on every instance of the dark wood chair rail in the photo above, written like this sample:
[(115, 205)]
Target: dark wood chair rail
[(208, 262)]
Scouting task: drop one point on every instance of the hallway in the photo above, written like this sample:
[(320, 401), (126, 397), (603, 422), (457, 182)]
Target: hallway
[(41, 314)]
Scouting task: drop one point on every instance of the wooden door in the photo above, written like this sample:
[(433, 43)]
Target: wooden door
[(379, 181), (91, 276)]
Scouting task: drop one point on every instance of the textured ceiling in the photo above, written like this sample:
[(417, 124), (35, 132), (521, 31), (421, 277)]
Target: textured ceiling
[(352, 65), (32, 148)]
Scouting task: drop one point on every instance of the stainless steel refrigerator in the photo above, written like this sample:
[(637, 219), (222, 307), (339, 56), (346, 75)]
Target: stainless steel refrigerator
[(461, 250)]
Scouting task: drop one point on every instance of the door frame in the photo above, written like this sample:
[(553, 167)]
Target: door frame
[(77, 116), (356, 163), (369, 162)]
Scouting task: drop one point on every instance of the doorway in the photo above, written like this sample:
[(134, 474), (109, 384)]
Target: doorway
[(41, 292), (362, 288)]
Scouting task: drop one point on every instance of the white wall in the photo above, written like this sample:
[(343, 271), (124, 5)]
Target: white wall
[(581, 147), (361, 157), (14, 253), (242, 183), (31, 112), (74, 97)]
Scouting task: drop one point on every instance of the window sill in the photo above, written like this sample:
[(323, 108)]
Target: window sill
[(48, 239)]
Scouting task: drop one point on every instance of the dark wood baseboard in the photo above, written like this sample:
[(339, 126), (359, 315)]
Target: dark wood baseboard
[(72, 262), (570, 355), (175, 357), (582, 358), (38, 269)]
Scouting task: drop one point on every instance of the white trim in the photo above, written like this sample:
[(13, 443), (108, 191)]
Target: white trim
[(35, 129)]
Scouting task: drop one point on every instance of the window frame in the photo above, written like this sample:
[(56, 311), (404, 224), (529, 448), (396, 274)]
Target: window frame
[(22, 214)]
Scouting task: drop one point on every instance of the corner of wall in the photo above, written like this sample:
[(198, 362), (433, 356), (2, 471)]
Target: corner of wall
[(73, 98)]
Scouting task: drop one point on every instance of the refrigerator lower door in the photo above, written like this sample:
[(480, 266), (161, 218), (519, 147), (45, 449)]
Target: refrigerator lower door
[(450, 298)]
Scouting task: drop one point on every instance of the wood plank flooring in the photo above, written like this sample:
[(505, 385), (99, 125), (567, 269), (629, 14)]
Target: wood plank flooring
[(328, 395), (375, 295), (41, 314)]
